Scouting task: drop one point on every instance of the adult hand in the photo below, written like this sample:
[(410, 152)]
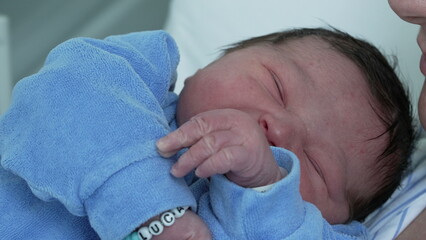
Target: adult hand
[(223, 141)]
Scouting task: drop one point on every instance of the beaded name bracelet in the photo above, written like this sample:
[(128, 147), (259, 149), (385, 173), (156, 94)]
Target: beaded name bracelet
[(156, 227)]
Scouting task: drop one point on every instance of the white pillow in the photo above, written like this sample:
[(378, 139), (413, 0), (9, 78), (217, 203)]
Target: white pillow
[(201, 28)]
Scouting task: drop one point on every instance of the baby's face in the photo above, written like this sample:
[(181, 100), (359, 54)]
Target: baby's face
[(309, 99)]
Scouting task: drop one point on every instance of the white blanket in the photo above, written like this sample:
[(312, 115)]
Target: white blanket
[(405, 204)]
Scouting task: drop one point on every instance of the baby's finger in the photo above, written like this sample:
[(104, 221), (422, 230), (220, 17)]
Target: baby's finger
[(202, 150), (190, 132), (224, 161)]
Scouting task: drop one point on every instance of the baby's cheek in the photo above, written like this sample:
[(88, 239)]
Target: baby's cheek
[(313, 191), (307, 189)]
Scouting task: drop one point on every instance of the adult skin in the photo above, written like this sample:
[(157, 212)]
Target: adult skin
[(414, 11)]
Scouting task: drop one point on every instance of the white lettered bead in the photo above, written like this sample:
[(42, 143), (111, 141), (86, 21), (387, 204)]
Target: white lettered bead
[(179, 211), (144, 233), (156, 228), (167, 219)]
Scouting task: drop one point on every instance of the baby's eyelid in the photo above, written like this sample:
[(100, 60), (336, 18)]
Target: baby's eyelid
[(278, 85)]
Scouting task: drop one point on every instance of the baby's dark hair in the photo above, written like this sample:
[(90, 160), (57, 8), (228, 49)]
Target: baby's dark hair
[(394, 108)]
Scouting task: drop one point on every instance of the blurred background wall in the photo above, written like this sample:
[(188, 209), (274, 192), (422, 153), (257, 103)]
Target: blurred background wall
[(29, 29), (5, 78)]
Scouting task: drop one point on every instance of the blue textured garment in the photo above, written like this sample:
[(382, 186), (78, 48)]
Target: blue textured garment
[(78, 154)]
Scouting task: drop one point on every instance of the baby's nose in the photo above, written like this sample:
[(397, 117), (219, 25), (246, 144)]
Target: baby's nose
[(286, 130)]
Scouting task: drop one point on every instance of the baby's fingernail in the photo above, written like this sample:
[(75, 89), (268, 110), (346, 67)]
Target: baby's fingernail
[(164, 148), (173, 171), (199, 173), (166, 154), (161, 143)]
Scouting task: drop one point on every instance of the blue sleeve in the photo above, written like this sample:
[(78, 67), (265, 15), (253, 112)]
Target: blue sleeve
[(82, 130), (233, 212)]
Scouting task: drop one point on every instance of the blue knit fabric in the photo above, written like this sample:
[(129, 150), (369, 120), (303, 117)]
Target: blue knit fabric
[(78, 156)]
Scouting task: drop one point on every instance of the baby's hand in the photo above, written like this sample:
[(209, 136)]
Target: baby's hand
[(223, 141), (189, 227)]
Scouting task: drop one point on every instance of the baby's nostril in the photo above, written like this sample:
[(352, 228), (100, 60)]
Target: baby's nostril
[(264, 125)]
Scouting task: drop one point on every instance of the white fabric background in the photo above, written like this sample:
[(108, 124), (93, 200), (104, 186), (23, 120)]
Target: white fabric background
[(5, 80)]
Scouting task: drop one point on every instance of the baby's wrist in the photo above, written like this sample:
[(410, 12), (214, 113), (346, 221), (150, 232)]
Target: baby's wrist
[(155, 226), (280, 174), (283, 173), (258, 180)]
